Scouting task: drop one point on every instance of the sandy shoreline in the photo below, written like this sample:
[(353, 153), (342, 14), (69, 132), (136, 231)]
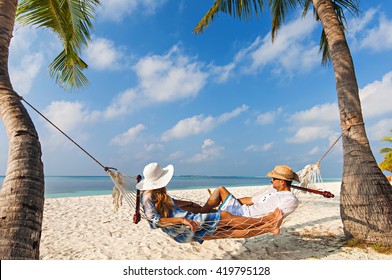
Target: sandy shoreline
[(86, 228)]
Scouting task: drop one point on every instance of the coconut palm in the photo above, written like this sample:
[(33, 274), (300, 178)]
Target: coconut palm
[(387, 163), (366, 196), (22, 193)]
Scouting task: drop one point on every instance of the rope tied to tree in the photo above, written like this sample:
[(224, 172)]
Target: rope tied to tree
[(329, 149), (345, 126), (106, 168)]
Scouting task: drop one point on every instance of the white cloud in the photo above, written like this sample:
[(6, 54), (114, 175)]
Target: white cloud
[(103, 55), (314, 151), (176, 155), (209, 151), (170, 77), (222, 73), (71, 118), (368, 31), (23, 74), (153, 147), (122, 104), (199, 124), (324, 113), (291, 50), (376, 96), (317, 122), (235, 113), (379, 129), (253, 148), (165, 78), (268, 117), (68, 116), (268, 146), (358, 24), (263, 148), (24, 63), (381, 33), (190, 126), (116, 10), (22, 40), (128, 136), (309, 134)]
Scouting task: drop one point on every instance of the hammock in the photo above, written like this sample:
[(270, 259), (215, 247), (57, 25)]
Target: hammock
[(125, 189)]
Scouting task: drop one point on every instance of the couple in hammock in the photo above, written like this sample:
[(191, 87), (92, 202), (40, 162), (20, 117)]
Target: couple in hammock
[(185, 221)]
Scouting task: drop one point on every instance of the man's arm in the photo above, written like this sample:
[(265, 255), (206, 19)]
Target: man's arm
[(246, 200), (187, 205)]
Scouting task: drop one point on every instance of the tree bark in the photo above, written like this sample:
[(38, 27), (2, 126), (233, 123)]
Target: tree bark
[(22, 193), (366, 195)]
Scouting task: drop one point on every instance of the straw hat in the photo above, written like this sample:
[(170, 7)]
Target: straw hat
[(155, 177), (283, 172)]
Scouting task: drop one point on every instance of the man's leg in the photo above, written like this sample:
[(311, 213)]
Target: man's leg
[(271, 225), (218, 196)]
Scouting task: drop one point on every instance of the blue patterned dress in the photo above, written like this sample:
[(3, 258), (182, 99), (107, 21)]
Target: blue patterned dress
[(181, 233)]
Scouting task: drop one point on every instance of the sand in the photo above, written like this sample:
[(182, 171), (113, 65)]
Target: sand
[(87, 228)]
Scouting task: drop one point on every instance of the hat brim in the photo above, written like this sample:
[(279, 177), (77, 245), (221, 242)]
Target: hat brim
[(274, 174), (159, 183)]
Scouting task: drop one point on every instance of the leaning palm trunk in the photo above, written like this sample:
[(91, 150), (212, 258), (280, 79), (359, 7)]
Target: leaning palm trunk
[(366, 195), (22, 194)]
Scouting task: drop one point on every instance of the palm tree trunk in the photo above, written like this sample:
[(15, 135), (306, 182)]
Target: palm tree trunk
[(366, 195), (22, 193)]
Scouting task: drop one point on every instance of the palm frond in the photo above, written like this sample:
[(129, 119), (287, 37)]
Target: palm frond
[(71, 21), (386, 138), (387, 163), (241, 9), (324, 49), (68, 72), (385, 150), (279, 9)]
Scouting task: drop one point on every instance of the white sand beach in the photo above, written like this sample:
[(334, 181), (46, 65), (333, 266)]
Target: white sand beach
[(87, 228)]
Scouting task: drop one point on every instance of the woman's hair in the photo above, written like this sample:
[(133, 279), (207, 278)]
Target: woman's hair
[(162, 201)]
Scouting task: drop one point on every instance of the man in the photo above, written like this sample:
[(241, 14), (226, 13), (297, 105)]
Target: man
[(279, 196)]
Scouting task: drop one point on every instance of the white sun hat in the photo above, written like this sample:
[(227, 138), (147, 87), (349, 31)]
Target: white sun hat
[(155, 177)]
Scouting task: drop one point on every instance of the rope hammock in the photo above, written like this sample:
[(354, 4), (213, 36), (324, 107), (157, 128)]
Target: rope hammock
[(125, 189)]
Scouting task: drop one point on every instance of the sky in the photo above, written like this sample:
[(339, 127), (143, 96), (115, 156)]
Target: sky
[(226, 102)]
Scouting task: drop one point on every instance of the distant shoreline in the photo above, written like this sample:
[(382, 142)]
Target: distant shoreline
[(80, 186)]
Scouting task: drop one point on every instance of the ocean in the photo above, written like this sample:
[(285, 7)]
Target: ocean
[(75, 186)]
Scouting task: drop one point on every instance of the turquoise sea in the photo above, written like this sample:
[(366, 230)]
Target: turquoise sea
[(74, 186)]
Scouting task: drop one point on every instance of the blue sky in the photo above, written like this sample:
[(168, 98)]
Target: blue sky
[(225, 102)]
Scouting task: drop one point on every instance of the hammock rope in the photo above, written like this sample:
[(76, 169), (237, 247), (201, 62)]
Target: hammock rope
[(106, 168), (329, 149)]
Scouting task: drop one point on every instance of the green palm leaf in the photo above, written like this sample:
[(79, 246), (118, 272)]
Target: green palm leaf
[(241, 9), (70, 20)]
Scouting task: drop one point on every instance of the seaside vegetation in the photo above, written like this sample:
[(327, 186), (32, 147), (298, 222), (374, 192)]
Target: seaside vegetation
[(387, 163), (379, 248)]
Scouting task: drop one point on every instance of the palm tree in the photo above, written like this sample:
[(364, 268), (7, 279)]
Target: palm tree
[(22, 194), (387, 163), (366, 196)]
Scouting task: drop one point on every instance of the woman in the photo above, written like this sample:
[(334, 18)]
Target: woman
[(183, 226)]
